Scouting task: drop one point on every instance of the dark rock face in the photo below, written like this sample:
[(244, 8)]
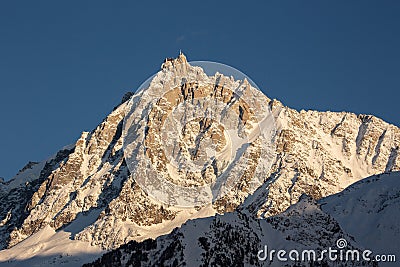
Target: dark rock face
[(29, 165), (125, 98), (16, 204)]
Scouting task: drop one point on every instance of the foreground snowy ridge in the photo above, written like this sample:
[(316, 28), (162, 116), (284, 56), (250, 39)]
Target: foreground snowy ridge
[(85, 193), (234, 239)]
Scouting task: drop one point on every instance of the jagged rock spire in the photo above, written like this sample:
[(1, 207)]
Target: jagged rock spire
[(173, 62)]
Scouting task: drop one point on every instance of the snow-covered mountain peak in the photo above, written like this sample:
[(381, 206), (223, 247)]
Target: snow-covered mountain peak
[(203, 134), (89, 191)]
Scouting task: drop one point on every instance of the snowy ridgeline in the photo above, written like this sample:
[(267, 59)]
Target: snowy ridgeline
[(85, 195), (365, 215)]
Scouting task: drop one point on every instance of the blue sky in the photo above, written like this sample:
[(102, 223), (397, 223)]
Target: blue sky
[(65, 65)]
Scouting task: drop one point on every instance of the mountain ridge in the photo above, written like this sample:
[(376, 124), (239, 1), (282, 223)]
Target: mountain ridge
[(317, 153), (235, 238)]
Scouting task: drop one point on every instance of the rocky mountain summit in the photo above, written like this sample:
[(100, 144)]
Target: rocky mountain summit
[(88, 191)]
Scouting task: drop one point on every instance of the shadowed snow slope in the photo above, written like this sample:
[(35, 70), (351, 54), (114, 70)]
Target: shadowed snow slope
[(369, 210), (357, 215)]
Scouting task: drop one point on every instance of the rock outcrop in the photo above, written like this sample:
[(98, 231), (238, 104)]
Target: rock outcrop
[(317, 153)]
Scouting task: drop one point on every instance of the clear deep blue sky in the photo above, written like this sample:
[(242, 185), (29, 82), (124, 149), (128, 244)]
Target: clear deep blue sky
[(65, 65)]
